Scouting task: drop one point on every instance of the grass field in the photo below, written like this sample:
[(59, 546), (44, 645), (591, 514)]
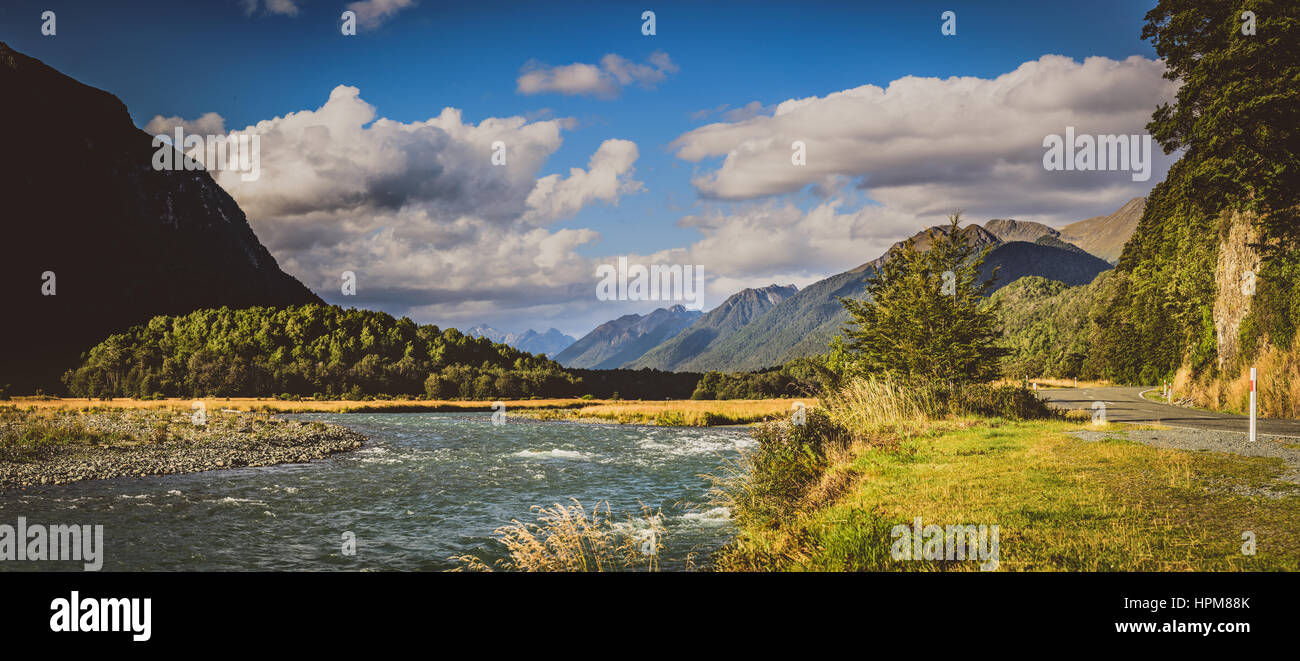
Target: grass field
[(1061, 503)]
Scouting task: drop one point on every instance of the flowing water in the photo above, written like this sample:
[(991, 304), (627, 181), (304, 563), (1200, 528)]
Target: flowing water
[(427, 487)]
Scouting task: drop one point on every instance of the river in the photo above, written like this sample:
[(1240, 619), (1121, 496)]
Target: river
[(427, 487)]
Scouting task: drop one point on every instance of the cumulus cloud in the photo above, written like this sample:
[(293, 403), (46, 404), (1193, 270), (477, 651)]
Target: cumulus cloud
[(928, 145), (374, 13), (604, 81), (419, 211), (207, 124), (606, 178)]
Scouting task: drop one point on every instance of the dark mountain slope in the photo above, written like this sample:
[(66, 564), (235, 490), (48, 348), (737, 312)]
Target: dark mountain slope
[(125, 242), (720, 323), (625, 339)]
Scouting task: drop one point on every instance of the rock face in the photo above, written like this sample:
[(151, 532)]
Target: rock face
[(623, 340), (123, 241), (720, 323), (1234, 279)]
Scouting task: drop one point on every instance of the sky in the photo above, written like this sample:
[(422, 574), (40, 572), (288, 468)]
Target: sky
[(672, 148)]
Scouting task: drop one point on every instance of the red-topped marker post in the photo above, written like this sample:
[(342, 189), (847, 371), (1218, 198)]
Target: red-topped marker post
[(1252, 405)]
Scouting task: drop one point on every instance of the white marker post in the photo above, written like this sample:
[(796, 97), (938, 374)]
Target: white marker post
[(1252, 405)]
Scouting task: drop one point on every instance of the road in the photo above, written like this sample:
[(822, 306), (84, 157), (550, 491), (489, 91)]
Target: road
[(1125, 404)]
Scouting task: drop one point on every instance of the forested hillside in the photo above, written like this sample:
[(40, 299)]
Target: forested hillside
[(1209, 284), (307, 350)]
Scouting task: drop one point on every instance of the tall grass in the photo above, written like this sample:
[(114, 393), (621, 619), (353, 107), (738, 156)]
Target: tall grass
[(1277, 390), (566, 538), (873, 402)]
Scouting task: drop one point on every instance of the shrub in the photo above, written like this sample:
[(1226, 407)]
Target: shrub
[(770, 482)]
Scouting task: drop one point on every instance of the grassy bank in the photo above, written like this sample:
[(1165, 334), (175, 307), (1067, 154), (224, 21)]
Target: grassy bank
[(1061, 503), (673, 413), (677, 412)]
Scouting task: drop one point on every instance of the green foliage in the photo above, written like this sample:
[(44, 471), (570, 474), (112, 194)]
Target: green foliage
[(1236, 116), (308, 350), (788, 462), (926, 316), (1045, 325), (786, 381), (1237, 111)]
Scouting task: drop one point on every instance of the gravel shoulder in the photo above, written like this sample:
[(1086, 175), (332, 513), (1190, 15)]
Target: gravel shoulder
[(63, 447), (1205, 440)]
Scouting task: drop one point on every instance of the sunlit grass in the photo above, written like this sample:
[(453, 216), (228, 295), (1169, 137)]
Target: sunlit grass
[(677, 412), (1061, 504)]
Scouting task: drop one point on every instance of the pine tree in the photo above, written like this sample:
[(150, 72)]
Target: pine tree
[(926, 315)]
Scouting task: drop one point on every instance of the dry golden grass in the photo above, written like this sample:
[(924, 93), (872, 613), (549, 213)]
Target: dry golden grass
[(567, 539), (1278, 388), (676, 413), (272, 405), (1053, 382)]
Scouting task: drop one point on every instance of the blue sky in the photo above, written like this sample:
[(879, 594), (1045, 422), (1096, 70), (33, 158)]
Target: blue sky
[(185, 59)]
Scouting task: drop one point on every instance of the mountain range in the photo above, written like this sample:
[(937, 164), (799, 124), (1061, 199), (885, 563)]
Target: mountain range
[(758, 328), (623, 340), (1103, 236), (97, 240), (547, 344), (677, 353)]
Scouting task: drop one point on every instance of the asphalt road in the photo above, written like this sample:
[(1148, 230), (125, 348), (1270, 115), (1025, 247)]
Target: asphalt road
[(1125, 404)]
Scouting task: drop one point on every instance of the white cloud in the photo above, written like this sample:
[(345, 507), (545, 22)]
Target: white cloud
[(607, 177), (418, 210), (604, 81), (208, 124), (374, 13), (929, 145)]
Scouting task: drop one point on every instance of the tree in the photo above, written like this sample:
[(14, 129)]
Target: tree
[(1237, 111), (926, 315)]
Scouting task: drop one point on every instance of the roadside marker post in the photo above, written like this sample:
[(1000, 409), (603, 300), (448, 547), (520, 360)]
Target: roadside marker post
[(1252, 405)]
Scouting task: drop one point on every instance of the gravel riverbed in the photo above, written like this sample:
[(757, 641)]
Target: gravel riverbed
[(101, 444)]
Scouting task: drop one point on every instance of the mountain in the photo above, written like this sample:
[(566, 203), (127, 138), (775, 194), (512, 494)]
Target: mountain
[(974, 235), (484, 330), (1006, 229), (625, 339), (548, 343), (124, 242), (1105, 236), (720, 323), (804, 324)]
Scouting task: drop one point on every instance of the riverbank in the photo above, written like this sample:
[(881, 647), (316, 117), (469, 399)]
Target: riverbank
[(665, 413), (58, 446), (1057, 496), (675, 413)]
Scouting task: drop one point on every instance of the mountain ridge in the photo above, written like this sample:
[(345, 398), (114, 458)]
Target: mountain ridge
[(124, 242)]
